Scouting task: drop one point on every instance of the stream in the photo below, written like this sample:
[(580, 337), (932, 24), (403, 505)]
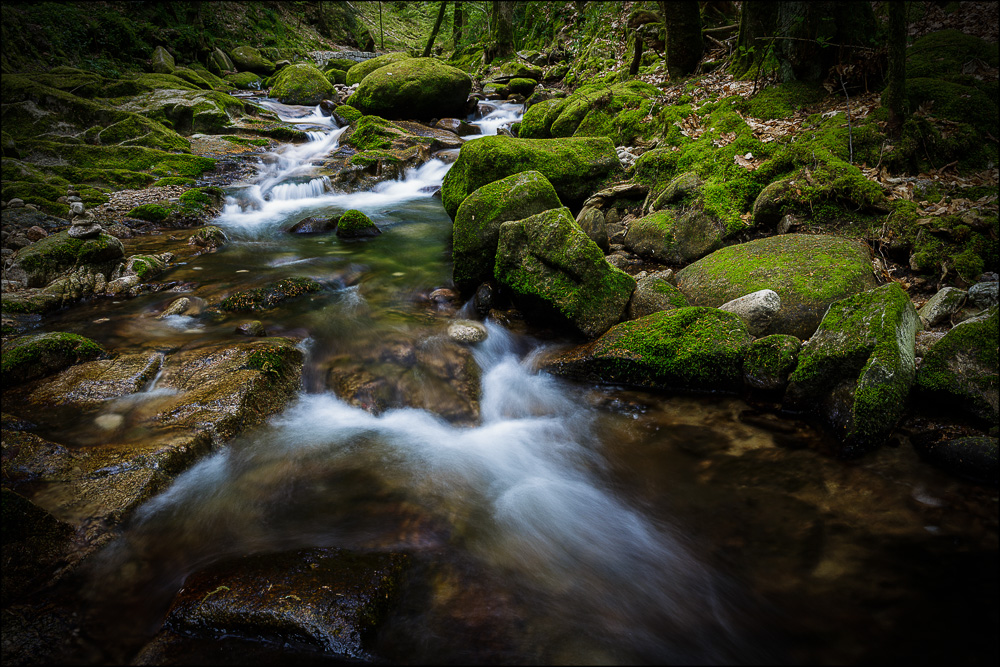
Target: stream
[(568, 523)]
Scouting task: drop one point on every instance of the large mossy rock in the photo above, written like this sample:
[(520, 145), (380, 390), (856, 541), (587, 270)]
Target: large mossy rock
[(57, 254), (576, 167), (684, 348), (673, 239), (36, 356), (476, 231), (960, 371), (857, 369), (301, 84), (413, 88), (358, 72), (808, 272), (618, 112), (654, 293), (249, 59), (219, 63), (552, 266), (327, 599), (187, 112), (162, 62)]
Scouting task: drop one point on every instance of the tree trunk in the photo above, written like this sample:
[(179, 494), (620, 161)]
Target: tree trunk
[(757, 22), (502, 34), (895, 93), (437, 26), (815, 36), (633, 67), (684, 44), (458, 22)]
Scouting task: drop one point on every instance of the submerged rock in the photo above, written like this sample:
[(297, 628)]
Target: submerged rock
[(268, 296), (549, 262), (857, 369), (974, 457), (356, 225), (31, 357), (808, 272), (684, 348)]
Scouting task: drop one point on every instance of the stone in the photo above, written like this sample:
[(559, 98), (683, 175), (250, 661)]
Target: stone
[(272, 294), (301, 84), (973, 457), (960, 371), (354, 224), (35, 233), (162, 62), (176, 307), (683, 348), (674, 240), (313, 225), (553, 267), (253, 328), (654, 293), (249, 59), (941, 306), (219, 63), (476, 230), (466, 332), (16, 202), (356, 74), (808, 272), (857, 369), (679, 190), (769, 361), (30, 357), (86, 230), (591, 221), (757, 309), (459, 127), (984, 294), (413, 88), (208, 236)]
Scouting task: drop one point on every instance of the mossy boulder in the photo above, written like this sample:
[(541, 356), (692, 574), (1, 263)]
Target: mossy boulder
[(187, 112), (684, 348), (249, 59), (267, 297), (673, 239), (537, 120), (769, 361), (808, 272), (553, 267), (521, 86), (301, 84), (357, 73), (245, 81), (617, 111), (335, 75), (417, 88), (576, 167), (219, 63), (354, 224), (348, 113), (36, 356), (162, 62), (57, 254), (960, 371), (654, 293), (974, 457), (477, 223), (857, 369)]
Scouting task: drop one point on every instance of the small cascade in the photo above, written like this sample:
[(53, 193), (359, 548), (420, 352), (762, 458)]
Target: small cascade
[(502, 114)]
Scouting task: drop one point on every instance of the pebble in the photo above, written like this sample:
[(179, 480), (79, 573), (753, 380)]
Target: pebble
[(123, 201), (466, 331)]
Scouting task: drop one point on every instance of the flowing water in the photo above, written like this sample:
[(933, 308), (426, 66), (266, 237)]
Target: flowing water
[(569, 524)]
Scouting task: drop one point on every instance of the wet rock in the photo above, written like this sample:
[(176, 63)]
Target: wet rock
[(31, 357), (684, 348), (57, 254), (547, 261), (756, 309), (176, 307), (35, 233), (960, 371), (254, 328), (267, 297), (313, 225), (941, 306), (808, 272), (208, 236), (91, 383), (858, 367), (591, 221), (654, 293), (356, 225), (925, 340), (35, 543), (484, 299), (444, 299), (974, 457), (328, 599), (466, 332), (459, 127), (769, 361)]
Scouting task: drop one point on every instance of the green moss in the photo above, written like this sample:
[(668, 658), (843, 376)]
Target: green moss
[(770, 360), (35, 356), (413, 88), (354, 222), (301, 84), (245, 81), (348, 113), (363, 69), (269, 296), (150, 212), (782, 100), (372, 132), (174, 180)]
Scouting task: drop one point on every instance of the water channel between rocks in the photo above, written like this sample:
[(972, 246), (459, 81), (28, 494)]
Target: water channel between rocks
[(567, 524)]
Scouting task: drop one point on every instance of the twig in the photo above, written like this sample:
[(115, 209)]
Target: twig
[(717, 42), (724, 28)]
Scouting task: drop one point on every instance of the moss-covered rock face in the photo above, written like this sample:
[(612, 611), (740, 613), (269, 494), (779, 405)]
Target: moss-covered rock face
[(576, 167), (245, 81), (340, 598), (618, 111), (769, 361), (807, 272), (348, 113), (56, 254), (960, 371), (674, 240), (357, 73), (207, 111), (301, 84), (477, 224), (269, 296), (973, 457), (684, 348), (249, 59), (857, 369), (553, 267), (31, 357), (162, 61), (417, 88), (652, 294), (354, 224)]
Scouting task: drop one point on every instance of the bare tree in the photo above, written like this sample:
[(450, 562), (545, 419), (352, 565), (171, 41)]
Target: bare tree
[(437, 27), (684, 43)]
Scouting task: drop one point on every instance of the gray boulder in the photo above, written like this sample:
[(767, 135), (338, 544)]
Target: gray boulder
[(674, 240), (941, 306), (162, 61), (757, 309), (654, 293)]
